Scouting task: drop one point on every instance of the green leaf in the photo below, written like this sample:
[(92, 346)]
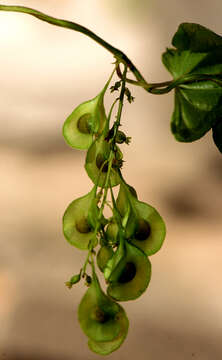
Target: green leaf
[(204, 95), (179, 63), (197, 104), (188, 123), (217, 134), (196, 38)]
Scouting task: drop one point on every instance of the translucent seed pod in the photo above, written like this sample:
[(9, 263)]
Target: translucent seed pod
[(112, 231), (131, 276), (143, 224), (126, 210), (96, 164), (79, 221), (107, 347), (150, 231), (114, 261), (87, 119), (103, 256), (99, 316)]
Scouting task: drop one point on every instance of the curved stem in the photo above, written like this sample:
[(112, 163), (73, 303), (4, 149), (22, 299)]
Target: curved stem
[(153, 88), (120, 107), (118, 54)]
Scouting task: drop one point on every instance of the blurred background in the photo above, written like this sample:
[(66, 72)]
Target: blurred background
[(45, 73)]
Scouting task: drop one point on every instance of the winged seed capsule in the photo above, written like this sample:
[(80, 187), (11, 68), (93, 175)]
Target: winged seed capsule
[(144, 227), (79, 220), (131, 276), (106, 347), (87, 119), (99, 316)]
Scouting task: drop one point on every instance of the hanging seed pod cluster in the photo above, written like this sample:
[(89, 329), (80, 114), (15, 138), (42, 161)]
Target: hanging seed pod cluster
[(120, 244)]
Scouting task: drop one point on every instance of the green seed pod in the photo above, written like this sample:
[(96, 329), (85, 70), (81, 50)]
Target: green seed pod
[(96, 164), (74, 280), (87, 119), (150, 231), (113, 263), (112, 231), (79, 221), (102, 163), (99, 316), (107, 347), (143, 225), (131, 276), (126, 210), (104, 254)]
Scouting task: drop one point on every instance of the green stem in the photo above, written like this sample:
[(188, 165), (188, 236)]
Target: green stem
[(153, 88), (185, 79), (118, 54), (120, 107), (116, 212)]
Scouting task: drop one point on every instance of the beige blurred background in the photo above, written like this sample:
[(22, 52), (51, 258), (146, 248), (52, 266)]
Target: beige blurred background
[(45, 73)]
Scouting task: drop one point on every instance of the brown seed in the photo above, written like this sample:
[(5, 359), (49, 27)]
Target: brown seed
[(143, 230), (128, 273), (100, 161), (83, 226), (83, 124)]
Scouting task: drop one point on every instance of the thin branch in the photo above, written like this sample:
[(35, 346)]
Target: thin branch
[(118, 54), (153, 88)]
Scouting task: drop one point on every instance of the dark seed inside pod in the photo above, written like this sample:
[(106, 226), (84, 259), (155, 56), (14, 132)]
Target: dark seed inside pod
[(83, 124), (128, 273), (83, 226), (112, 232), (100, 316), (100, 161), (143, 230)]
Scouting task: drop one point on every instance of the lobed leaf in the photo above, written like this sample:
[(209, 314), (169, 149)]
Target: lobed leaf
[(197, 104)]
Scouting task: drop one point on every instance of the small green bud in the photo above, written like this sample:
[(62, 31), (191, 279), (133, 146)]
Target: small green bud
[(74, 280), (112, 232), (121, 138)]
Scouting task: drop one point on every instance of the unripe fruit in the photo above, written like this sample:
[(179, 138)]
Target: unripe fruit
[(83, 124), (112, 232), (103, 256)]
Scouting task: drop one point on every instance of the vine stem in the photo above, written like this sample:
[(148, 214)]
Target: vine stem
[(110, 161), (100, 211), (118, 54), (120, 107), (154, 88)]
